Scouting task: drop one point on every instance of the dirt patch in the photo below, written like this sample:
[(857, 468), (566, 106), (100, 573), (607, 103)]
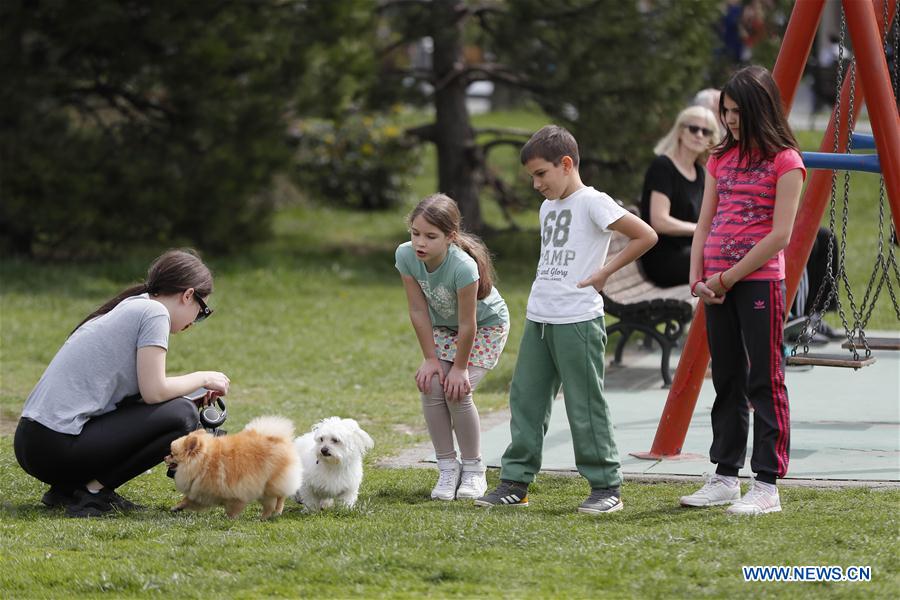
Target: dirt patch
[(8, 422)]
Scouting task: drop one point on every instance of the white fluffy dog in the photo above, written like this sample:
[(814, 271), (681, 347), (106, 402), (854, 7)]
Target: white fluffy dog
[(331, 455)]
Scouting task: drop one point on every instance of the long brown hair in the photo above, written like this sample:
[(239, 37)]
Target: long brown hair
[(172, 272), (441, 211), (764, 128)]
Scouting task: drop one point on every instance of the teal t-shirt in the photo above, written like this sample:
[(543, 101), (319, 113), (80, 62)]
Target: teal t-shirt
[(440, 287)]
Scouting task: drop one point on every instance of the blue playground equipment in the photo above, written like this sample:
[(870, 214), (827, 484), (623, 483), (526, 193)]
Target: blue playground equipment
[(842, 162)]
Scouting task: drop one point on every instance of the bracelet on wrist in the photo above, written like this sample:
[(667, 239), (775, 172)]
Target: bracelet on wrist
[(693, 288), (722, 282)]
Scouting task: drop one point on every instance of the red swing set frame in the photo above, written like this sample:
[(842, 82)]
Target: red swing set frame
[(866, 30)]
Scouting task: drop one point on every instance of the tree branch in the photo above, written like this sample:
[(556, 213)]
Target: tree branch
[(425, 133), (503, 131), (515, 143), (384, 5), (134, 104)]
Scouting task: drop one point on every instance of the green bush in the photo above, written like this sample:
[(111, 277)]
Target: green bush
[(362, 161), (159, 123)]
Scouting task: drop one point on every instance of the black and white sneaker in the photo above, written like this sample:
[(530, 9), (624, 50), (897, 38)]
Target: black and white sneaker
[(602, 501), (508, 493)]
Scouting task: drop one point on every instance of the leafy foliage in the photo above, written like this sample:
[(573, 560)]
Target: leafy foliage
[(614, 73), (361, 161), (162, 121)]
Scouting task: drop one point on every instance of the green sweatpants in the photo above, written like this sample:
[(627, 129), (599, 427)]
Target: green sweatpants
[(570, 355)]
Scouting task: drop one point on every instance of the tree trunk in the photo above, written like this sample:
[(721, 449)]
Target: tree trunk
[(456, 150)]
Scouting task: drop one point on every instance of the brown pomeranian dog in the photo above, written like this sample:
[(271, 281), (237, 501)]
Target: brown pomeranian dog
[(257, 463)]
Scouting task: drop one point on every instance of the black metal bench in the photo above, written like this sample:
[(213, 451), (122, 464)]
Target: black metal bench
[(639, 305)]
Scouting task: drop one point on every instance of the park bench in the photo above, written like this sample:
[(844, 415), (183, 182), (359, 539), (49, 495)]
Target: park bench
[(661, 314)]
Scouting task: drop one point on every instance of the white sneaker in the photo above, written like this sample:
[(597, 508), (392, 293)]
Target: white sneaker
[(757, 501), (473, 483), (448, 479), (713, 493)]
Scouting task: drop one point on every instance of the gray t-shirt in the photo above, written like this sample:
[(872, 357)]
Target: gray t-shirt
[(441, 287), (97, 366)]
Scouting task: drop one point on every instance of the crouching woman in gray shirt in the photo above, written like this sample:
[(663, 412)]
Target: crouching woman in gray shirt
[(105, 411)]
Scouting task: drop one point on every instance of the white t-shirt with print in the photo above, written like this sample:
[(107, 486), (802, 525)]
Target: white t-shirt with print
[(575, 238)]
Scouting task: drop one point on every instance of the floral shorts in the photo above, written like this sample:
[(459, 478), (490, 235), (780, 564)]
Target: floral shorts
[(486, 349)]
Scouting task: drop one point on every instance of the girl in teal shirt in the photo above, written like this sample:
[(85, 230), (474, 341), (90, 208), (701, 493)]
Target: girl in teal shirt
[(462, 323)]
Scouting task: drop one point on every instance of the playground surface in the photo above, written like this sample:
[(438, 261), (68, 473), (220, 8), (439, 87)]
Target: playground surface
[(845, 424)]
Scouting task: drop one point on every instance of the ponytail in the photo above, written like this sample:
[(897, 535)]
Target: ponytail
[(171, 273), (474, 247)]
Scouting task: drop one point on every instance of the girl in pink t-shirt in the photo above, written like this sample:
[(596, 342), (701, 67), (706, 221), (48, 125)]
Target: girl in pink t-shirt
[(737, 268)]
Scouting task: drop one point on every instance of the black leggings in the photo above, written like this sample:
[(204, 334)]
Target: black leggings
[(112, 448)]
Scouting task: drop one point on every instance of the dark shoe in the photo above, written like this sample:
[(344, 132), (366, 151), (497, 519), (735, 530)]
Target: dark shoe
[(793, 329), (508, 493), (830, 332), (57, 496), (118, 502), (602, 501), (823, 330), (86, 504)]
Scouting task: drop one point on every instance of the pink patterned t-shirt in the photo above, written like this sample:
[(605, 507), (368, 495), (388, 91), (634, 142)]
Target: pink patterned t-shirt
[(745, 210)]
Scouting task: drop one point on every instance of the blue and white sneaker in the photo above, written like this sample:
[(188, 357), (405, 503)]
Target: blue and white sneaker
[(508, 493), (602, 501)]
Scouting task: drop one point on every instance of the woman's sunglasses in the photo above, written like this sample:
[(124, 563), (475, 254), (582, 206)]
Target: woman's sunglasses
[(205, 311), (695, 129)]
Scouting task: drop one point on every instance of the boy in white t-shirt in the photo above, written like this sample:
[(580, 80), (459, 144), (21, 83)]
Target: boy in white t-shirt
[(564, 338)]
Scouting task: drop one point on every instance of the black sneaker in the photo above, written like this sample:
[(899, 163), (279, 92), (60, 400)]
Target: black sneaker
[(57, 496), (118, 502), (86, 504), (508, 493), (602, 501)]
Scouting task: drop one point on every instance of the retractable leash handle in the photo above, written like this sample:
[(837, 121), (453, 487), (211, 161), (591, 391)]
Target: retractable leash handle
[(214, 415), (211, 417)]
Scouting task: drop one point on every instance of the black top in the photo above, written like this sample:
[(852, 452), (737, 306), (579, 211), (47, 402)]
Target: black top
[(685, 197)]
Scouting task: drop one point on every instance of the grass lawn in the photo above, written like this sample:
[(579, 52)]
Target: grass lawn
[(314, 324), (399, 544)]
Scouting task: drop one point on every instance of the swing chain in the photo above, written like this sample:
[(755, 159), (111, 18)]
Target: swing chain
[(823, 300), (856, 335), (845, 217)]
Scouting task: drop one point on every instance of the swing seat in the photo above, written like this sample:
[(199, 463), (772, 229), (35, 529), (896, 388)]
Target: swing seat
[(830, 360), (876, 343)]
